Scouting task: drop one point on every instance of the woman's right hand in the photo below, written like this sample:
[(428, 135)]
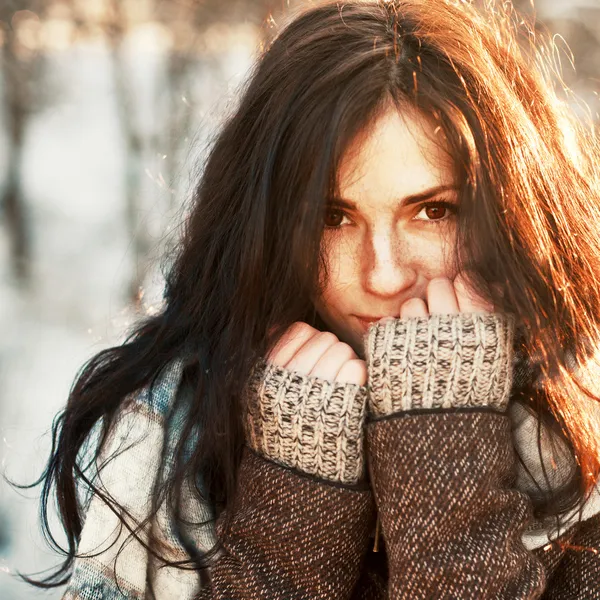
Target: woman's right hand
[(306, 406), (306, 350)]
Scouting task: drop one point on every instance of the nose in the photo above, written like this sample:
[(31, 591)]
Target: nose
[(387, 268)]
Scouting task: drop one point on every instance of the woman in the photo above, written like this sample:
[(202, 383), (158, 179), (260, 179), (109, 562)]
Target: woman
[(370, 377)]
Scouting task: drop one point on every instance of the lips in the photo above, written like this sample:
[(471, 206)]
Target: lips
[(366, 322)]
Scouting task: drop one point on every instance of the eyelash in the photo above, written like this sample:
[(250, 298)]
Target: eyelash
[(451, 206)]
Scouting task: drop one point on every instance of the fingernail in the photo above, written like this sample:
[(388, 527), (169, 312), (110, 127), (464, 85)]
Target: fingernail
[(385, 320)]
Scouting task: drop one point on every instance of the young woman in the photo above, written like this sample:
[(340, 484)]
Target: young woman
[(372, 377)]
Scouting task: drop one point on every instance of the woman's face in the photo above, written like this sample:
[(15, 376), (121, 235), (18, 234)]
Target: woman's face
[(386, 238)]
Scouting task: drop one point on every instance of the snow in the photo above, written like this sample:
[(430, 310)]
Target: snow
[(73, 180), (73, 177)]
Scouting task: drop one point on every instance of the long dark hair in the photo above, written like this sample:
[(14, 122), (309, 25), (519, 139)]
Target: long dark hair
[(249, 260)]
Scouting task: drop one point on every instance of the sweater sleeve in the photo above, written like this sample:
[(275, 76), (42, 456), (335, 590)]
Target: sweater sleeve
[(298, 526), (577, 575), (441, 459)]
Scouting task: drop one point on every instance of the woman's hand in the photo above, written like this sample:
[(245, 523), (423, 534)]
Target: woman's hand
[(306, 350), (445, 297), (454, 351), (306, 406)]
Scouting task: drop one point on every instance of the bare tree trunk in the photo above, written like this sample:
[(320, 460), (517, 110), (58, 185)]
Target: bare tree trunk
[(179, 114), (16, 108), (183, 62), (140, 243)]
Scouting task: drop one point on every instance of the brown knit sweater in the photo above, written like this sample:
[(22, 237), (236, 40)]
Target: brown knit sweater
[(426, 445)]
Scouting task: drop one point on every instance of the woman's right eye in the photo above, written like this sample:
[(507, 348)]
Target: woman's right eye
[(334, 218)]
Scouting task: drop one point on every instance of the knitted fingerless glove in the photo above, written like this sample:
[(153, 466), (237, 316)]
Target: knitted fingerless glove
[(440, 361), (307, 423), (441, 459)]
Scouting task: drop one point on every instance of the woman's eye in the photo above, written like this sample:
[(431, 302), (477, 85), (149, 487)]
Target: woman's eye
[(334, 218), (434, 213), (437, 212)]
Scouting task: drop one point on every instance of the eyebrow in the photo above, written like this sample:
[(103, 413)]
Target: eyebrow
[(407, 201)]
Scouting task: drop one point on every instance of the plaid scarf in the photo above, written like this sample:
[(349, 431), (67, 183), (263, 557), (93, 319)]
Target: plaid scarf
[(112, 565)]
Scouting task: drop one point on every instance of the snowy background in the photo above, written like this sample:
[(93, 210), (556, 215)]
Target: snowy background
[(106, 108)]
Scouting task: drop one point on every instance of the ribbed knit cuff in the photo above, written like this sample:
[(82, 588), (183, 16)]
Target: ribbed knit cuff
[(440, 361), (307, 423)]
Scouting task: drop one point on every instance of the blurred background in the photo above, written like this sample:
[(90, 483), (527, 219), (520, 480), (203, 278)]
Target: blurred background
[(107, 108)]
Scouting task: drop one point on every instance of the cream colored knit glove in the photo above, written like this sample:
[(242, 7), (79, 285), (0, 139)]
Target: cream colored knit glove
[(440, 361), (307, 423)]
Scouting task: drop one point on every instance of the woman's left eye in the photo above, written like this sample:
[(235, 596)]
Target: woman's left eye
[(437, 212)]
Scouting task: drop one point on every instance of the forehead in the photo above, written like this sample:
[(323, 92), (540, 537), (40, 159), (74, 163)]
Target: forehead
[(401, 153)]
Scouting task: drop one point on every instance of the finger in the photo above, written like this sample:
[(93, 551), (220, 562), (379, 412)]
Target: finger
[(290, 342), (415, 307), (353, 371), (310, 353), (468, 299), (441, 297), (332, 360)]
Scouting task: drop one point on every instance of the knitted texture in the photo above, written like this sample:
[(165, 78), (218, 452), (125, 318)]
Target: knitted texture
[(571, 564), (440, 474), (307, 423), (451, 521), (440, 361), (577, 575), (289, 536)]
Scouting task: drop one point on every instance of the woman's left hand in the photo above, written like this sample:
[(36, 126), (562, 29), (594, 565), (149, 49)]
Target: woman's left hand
[(445, 296), (454, 350)]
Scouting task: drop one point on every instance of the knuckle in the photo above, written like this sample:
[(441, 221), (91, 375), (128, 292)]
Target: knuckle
[(299, 327), (344, 349), (354, 371), (294, 336), (299, 330), (327, 336)]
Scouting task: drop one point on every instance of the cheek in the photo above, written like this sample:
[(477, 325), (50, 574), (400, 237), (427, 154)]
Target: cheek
[(343, 272), (431, 256), (428, 253), (343, 267)]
